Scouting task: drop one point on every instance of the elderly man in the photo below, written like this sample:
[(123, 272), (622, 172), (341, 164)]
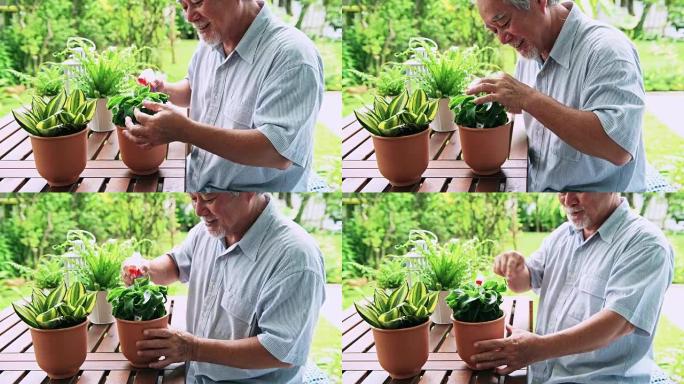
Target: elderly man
[(256, 284), (254, 87), (578, 84), (601, 278)]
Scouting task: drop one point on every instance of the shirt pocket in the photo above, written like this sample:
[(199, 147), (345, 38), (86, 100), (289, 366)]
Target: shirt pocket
[(238, 116), (241, 312), (589, 298)]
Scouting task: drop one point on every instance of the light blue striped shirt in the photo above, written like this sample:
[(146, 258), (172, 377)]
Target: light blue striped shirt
[(273, 82), (270, 284), (625, 267), (592, 67)]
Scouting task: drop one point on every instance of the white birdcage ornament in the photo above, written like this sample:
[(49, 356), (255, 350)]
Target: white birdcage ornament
[(414, 261), (71, 68)]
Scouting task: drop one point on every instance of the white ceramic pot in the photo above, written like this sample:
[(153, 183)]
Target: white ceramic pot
[(444, 120), (102, 121), (442, 313), (102, 313)]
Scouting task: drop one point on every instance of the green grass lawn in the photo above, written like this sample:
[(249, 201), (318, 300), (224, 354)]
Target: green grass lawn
[(662, 62), (664, 149), (326, 350), (327, 159), (331, 247), (668, 349), (178, 70), (331, 54)]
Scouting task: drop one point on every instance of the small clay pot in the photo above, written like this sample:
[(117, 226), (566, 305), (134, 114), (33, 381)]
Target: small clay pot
[(140, 161), (60, 352), (444, 119), (402, 160), (402, 352), (467, 334), (485, 149), (61, 159), (130, 332)]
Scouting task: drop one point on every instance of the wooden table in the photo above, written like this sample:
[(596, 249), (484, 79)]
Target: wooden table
[(446, 172), (360, 364), (104, 171), (104, 364)]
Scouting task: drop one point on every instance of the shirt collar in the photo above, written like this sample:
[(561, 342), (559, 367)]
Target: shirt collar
[(247, 46), (251, 241), (562, 48)]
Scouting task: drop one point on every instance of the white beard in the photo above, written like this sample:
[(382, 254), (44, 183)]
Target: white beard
[(581, 224)]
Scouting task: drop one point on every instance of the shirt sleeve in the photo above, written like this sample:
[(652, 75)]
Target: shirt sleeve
[(288, 315), (613, 90), (536, 264), (182, 254), (287, 109), (637, 284)]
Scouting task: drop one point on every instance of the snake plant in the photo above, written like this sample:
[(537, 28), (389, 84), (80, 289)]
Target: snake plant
[(58, 308), (401, 115), (402, 308), (60, 115), (471, 115)]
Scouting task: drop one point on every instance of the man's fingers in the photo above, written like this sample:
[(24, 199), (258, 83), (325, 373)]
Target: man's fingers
[(488, 345), (161, 364), (486, 98), (143, 118), (507, 370), (490, 364), (152, 106), (158, 333)]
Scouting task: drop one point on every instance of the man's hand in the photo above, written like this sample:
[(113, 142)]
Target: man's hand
[(175, 345), (163, 127), (503, 88), (519, 350), (131, 271), (511, 265)]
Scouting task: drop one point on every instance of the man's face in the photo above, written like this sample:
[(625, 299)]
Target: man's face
[(207, 16), (587, 210), (518, 28), (220, 212)]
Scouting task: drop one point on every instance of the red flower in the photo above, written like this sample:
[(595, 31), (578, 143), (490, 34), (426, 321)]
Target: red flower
[(479, 280), (134, 271)]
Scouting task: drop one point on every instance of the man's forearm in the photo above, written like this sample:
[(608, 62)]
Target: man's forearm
[(179, 92), (242, 146), (596, 332), (580, 129), (163, 270), (243, 353)]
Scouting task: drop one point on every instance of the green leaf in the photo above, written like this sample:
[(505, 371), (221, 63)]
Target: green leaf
[(368, 315), (55, 297), (26, 315), (55, 105), (398, 296), (416, 293), (74, 293), (397, 104), (25, 121)]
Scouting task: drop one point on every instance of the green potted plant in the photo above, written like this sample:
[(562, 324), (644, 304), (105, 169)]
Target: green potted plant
[(392, 274), (391, 80), (442, 76), (57, 128), (399, 128), (477, 315), (137, 308), (99, 270), (56, 319), (101, 75), (140, 161), (50, 273), (485, 133), (399, 321), (443, 269)]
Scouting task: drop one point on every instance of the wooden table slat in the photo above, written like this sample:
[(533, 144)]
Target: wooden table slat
[(34, 377), (352, 377), (358, 164), (91, 377), (433, 377), (118, 377), (18, 173)]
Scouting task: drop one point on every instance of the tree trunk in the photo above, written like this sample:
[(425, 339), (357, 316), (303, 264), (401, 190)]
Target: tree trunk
[(302, 206), (302, 14), (639, 29)]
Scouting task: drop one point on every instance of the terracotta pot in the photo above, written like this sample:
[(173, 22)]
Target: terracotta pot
[(60, 352), (444, 120), (485, 149), (402, 352), (60, 160), (102, 121), (140, 161), (102, 312), (442, 313), (130, 332), (467, 334), (402, 160)]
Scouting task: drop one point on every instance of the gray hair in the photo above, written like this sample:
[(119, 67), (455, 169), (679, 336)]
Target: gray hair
[(525, 4)]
